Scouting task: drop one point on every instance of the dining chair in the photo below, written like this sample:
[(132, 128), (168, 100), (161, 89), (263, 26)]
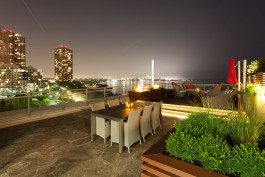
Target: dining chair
[(114, 125), (125, 99), (216, 90), (113, 102), (102, 125), (156, 116), (179, 90), (131, 130), (145, 121)]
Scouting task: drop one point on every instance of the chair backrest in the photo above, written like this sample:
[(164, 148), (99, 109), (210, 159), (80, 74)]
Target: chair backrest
[(175, 86), (178, 87), (221, 101), (147, 111), (215, 90), (156, 112), (134, 119), (97, 106), (125, 99), (114, 102)]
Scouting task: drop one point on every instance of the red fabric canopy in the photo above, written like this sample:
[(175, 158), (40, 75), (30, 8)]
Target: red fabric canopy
[(231, 76)]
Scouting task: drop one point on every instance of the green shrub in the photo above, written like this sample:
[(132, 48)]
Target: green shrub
[(181, 145), (251, 89), (210, 152), (201, 140), (46, 101), (246, 160)]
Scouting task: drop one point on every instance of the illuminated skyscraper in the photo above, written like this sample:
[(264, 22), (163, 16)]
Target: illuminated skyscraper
[(12, 48), (63, 63), (19, 50), (14, 74)]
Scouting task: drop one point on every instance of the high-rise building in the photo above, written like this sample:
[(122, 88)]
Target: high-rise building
[(14, 74), (13, 77), (12, 48), (63, 63), (35, 75), (20, 50)]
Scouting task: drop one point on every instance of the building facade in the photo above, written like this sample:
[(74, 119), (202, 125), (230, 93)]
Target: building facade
[(20, 50), (63, 63), (16, 78), (12, 77), (12, 48), (35, 75)]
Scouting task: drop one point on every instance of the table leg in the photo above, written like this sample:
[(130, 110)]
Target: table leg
[(93, 127), (121, 139)]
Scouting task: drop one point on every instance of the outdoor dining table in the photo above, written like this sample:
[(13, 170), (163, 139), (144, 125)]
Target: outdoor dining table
[(116, 113)]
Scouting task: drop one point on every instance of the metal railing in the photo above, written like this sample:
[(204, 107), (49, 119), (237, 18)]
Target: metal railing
[(202, 86), (26, 103), (34, 101)]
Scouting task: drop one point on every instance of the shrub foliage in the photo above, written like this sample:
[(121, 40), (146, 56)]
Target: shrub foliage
[(228, 145)]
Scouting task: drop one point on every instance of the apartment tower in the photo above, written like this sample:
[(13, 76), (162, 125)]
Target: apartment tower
[(63, 63), (12, 48)]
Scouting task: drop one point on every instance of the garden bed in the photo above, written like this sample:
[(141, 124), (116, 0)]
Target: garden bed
[(157, 163), (210, 145)]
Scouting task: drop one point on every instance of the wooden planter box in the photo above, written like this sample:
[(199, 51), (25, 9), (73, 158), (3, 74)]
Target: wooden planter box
[(155, 163)]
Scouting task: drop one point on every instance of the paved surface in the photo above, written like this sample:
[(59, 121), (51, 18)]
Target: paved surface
[(61, 147)]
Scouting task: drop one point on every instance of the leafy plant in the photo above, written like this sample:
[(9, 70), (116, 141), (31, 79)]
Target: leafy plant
[(212, 152), (256, 66), (206, 150), (246, 160), (46, 101), (203, 140), (253, 67), (251, 89), (181, 145), (202, 123), (245, 127)]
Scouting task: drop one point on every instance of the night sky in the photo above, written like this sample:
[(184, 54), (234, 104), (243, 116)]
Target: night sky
[(187, 39)]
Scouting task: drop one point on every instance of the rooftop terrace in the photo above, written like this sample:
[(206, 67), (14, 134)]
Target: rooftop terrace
[(62, 146), (55, 140)]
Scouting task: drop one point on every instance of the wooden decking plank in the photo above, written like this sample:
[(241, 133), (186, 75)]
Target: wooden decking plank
[(156, 170)]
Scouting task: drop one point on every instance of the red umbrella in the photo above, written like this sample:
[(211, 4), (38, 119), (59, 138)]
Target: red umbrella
[(231, 76)]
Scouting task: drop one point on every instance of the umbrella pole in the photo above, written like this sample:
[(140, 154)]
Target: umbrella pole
[(244, 74), (239, 74), (152, 74)]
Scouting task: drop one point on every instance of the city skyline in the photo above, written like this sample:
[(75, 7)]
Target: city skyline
[(119, 39)]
